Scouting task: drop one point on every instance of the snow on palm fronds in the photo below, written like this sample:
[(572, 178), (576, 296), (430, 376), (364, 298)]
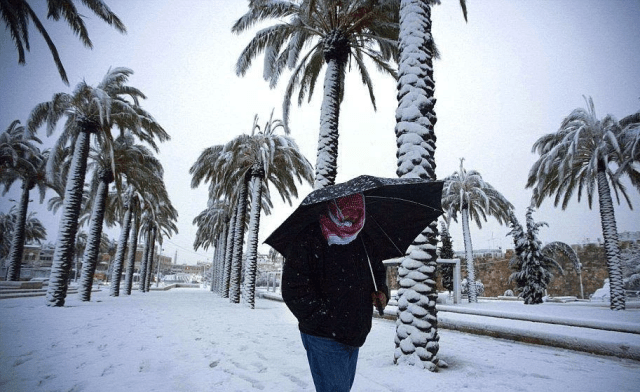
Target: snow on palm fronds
[(314, 34), (467, 193), (243, 169), (590, 154)]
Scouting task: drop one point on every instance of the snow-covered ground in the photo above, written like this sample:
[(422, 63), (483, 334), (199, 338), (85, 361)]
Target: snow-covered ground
[(192, 340)]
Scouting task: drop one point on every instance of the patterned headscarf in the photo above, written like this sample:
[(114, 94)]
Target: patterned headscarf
[(343, 220)]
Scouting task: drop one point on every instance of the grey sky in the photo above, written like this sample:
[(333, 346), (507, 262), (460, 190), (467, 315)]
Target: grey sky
[(508, 76)]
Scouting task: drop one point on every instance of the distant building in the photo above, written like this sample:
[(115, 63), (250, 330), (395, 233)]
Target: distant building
[(485, 253)]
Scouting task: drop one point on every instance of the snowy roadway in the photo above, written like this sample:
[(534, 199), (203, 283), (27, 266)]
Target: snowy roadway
[(192, 340)]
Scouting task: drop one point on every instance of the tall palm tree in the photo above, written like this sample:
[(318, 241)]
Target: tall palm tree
[(581, 156), (90, 257), (336, 32), (465, 192), (416, 141), (89, 111), (21, 160), (17, 14), (265, 158), (532, 263)]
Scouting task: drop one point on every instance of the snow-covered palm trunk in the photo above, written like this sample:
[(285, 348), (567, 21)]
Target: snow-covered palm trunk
[(611, 246), (238, 240), (228, 258), (133, 247), (214, 266), (335, 54), (222, 260), (252, 240), (90, 257), (65, 245), (144, 263), (468, 253), (152, 252), (17, 242), (416, 328), (120, 253), (219, 261)]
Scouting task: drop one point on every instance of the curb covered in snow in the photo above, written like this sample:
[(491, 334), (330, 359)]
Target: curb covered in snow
[(595, 341), (594, 324), (622, 340)]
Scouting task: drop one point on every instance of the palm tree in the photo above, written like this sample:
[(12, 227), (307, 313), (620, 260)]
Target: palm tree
[(118, 261), (231, 167), (467, 193), (144, 263), (209, 167), (531, 263), (265, 158), (16, 15), (150, 194), (415, 137), (336, 32), (80, 246), (89, 111), (132, 161), (579, 156), (90, 257), (157, 217), (212, 225), (21, 160), (34, 230)]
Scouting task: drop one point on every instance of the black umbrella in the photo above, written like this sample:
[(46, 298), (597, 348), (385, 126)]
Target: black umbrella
[(397, 211)]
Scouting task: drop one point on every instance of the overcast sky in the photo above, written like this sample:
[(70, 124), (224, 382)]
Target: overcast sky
[(507, 77)]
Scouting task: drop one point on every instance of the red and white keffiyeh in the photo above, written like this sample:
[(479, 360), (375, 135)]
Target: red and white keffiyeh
[(343, 220)]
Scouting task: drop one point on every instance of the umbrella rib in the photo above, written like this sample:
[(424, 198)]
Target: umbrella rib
[(386, 235), (405, 200), (375, 286)]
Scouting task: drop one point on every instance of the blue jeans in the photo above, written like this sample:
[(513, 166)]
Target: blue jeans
[(333, 364)]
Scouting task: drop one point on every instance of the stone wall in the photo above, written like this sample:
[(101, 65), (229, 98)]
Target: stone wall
[(494, 274)]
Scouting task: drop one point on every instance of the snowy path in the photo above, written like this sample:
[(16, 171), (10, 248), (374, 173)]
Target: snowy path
[(191, 340)]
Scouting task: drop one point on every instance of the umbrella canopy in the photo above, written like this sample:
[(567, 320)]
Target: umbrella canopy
[(397, 211)]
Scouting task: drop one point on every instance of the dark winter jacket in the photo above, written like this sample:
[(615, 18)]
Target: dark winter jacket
[(328, 288)]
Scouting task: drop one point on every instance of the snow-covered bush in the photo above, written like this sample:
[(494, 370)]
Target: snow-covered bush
[(464, 287), (446, 252), (531, 266), (631, 267)]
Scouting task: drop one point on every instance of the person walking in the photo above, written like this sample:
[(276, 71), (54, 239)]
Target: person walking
[(332, 278)]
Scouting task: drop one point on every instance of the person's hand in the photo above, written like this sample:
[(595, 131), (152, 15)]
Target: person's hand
[(379, 296), (379, 300)]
